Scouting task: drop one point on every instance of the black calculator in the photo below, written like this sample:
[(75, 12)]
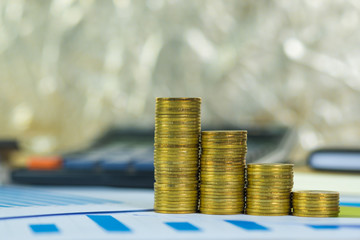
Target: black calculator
[(125, 158)]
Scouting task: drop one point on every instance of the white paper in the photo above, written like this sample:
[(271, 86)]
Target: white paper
[(150, 225)]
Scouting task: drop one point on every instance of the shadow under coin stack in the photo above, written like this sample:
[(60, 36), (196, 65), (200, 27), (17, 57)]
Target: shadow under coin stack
[(268, 191), (176, 154), (222, 172), (313, 203)]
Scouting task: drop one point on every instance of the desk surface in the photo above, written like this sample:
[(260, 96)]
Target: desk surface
[(111, 213)]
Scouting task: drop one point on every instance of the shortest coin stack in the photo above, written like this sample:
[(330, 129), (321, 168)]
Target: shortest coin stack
[(268, 191), (315, 203)]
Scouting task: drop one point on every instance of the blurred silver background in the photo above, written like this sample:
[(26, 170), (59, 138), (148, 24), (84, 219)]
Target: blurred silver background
[(71, 69)]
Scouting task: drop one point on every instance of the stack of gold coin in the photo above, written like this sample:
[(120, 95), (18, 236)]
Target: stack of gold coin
[(222, 172), (314, 203), (176, 154), (268, 191)]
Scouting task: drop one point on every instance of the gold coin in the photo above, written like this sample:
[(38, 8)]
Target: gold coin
[(267, 207), (284, 188), (160, 145), (270, 182), (225, 187), (172, 180), (193, 123), (159, 137), (317, 209), (214, 143), (222, 133), (189, 165), (179, 202), (275, 201), (269, 177), (316, 193), (262, 189), (174, 211), (315, 212), (213, 197), (171, 194), (161, 209), (238, 150), (177, 150), (177, 110), (209, 167), (238, 164), (176, 141), (221, 212), (175, 195), (317, 202), (268, 210), (228, 184), (228, 206), (184, 203), (270, 165), (317, 215), (221, 177), (176, 159), (177, 117), (302, 205), (176, 205), (255, 213), (222, 156), (178, 99), (170, 186), (219, 146), (166, 126), (163, 200), (268, 195)]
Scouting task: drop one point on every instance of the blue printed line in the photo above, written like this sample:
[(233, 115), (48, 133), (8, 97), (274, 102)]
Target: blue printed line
[(350, 204), (73, 214), (182, 226), (44, 228), (109, 223), (247, 225), (334, 226)]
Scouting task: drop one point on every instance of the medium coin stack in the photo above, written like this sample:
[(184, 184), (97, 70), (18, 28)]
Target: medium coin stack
[(314, 203), (222, 172), (176, 155), (268, 191)]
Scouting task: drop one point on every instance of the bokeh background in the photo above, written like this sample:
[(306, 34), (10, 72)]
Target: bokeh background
[(71, 69)]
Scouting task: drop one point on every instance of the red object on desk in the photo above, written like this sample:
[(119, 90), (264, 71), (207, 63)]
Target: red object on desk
[(44, 163)]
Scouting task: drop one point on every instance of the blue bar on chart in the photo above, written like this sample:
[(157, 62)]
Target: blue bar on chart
[(247, 225), (109, 223), (44, 228), (182, 226)]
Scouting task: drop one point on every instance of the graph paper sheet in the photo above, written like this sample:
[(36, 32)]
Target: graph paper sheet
[(107, 213)]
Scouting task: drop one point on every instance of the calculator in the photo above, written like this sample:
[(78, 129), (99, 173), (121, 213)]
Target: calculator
[(125, 158)]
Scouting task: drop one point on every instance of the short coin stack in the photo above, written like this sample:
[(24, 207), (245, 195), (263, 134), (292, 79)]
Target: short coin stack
[(313, 203), (176, 154), (222, 172), (268, 191)]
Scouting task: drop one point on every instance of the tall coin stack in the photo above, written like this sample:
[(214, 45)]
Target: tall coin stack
[(176, 154), (268, 191), (313, 203), (222, 172)]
